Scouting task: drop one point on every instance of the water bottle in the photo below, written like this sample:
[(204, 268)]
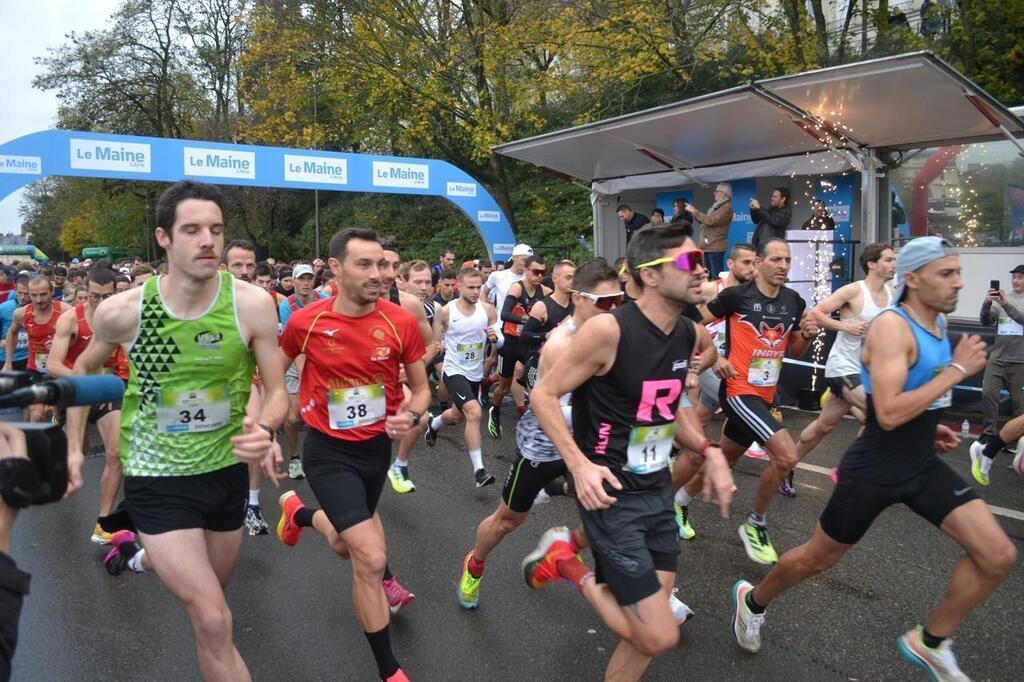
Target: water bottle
[(965, 429)]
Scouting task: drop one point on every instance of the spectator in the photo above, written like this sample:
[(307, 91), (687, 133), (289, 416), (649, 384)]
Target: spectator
[(820, 218), (447, 262), (679, 211), (657, 217), (285, 285), (931, 19), (898, 19), (1005, 368), (715, 228), (773, 222), (631, 220)]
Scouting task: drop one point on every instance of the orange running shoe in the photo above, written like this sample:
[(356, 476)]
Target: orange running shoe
[(288, 531), (540, 566)]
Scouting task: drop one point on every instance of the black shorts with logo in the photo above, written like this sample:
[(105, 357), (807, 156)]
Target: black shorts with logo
[(347, 477), (856, 503), (749, 418), (461, 390), (211, 501), (526, 478), (632, 540), (837, 384)]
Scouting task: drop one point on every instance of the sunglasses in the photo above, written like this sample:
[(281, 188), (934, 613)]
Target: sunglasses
[(539, 273), (687, 260), (602, 301)]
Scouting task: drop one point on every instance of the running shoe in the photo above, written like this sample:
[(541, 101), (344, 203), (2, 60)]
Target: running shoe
[(430, 435), (400, 481), (398, 676), (980, 464), (1018, 459), (124, 546), (483, 478), (686, 531), (540, 566), (494, 421), (680, 611), (468, 592), (100, 536), (940, 662), (254, 520), (398, 596), (755, 541), (542, 497), (288, 531), (755, 451), (295, 471), (786, 488), (746, 625)]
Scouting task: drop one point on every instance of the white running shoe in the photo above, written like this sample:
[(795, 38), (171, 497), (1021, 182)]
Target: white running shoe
[(681, 611), (1018, 459), (939, 662), (746, 624)]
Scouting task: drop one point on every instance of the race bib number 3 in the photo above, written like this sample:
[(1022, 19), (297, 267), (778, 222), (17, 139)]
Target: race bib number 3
[(470, 351), (649, 448), (350, 408), (195, 411), (764, 371)]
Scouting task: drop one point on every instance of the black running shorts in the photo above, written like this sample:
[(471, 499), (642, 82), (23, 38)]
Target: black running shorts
[(508, 355), (346, 477), (526, 478), (749, 419), (211, 501), (632, 540), (855, 503), (461, 390), (837, 384)]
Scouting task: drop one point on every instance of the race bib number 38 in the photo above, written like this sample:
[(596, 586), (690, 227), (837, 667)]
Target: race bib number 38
[(649, 448), (195, 411), (350, 408)]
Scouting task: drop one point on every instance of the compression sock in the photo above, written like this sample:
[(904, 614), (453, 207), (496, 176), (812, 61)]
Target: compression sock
[(577, 546), (304, 517), (575, 571), (993, 446), (477, 457), (135, 563), (388, 575), (475, 568), (757, 519), (436, 423), (683, 498), (930, 640), (753, 605), (380, 644), (254, 498)]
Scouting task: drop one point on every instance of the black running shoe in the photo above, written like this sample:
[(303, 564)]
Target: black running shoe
[(483, 478), (430, 435)]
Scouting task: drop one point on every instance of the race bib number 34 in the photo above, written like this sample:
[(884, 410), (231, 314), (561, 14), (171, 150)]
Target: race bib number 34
[(350, 408), (194, 411), (649, 448)]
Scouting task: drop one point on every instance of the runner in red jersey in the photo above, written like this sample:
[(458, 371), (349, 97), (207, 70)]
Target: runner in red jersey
[(351, 400), (39, 318), (73, 334)]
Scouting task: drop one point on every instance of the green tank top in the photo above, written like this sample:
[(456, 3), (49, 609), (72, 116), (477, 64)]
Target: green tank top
[(188, 387)]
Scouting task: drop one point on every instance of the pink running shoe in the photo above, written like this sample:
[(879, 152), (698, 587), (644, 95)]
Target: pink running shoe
[(398, 596)]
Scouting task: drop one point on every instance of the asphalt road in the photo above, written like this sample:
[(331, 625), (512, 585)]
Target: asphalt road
[(294, 621)]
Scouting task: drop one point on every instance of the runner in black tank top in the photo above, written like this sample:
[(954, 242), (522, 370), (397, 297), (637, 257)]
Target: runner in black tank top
[(627, 372)]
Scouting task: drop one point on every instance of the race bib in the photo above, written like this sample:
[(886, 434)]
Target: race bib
[(41, 362), (470, 351), (195, 411), (22, 342), (944, 400), (649, 448), (1009, 327), (719, 341), (764, 371), (350, 408)]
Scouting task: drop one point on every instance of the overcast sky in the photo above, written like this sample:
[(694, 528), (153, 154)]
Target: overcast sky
[(27, 28)]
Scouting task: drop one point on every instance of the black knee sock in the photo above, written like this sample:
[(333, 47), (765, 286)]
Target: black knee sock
[(388, 575), (304, 517), (380, 644), (930, 640), (753, 605), (993, 446)]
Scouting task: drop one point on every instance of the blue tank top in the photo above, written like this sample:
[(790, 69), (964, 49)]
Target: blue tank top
[(899, 455)]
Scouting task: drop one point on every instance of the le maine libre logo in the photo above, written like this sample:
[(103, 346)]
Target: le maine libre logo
[(299, 168), (461, 189), (131, 157), (488, 217), (220, 163), (23, 165), (411, 175)]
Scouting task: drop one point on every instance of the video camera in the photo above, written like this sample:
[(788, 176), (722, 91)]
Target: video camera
[(43, 477)]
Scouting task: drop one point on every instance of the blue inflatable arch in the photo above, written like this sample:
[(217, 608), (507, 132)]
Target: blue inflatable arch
[(94, 155)]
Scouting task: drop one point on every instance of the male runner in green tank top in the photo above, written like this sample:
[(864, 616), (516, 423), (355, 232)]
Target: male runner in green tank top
[(191, 337)]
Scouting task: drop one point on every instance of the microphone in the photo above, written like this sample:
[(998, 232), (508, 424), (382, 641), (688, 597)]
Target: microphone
[(71, 391)]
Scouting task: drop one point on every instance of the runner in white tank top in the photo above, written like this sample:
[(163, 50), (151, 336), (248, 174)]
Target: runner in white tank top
[(857, 303)]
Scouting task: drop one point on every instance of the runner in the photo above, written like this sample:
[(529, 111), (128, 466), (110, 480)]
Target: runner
[(1012, 431), (265, 280), (518, 301), (857, 303), (908, 375), (39, 319), (761, 316), (17, 299), (548, 313), (355, 344), (188, 336), (537, 462), (74, 331), (494, 292), (465, 327), (625, 420)]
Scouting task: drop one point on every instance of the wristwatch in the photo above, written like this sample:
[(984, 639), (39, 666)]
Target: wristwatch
[(415, 417), (272, 432)]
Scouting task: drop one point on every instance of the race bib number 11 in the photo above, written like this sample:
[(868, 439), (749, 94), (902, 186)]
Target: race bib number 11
[(649, 448)]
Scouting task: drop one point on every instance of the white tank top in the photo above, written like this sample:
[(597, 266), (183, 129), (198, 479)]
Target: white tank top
[(464, 342), (844, 358)]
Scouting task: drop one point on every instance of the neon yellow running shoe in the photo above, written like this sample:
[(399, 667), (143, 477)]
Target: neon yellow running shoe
[(400, 481), (755, 541), (686, 531), (468, 592)]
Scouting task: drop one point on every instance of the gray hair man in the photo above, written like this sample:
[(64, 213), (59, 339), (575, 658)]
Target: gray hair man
[(714, 234)]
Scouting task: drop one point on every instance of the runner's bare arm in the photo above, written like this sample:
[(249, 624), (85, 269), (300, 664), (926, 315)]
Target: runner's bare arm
[(12, 337), (841, 297), (67, 329), (889, 352)]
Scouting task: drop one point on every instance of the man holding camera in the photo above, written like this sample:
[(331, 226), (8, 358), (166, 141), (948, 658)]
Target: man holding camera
[(1005, 368), (715, 228)]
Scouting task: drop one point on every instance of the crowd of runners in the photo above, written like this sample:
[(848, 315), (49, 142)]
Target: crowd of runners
[(614, 371)]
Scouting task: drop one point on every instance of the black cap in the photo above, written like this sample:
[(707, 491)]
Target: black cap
[(1019, 270)]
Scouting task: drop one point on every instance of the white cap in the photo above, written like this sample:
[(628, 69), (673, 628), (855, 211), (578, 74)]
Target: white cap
[(522, 250), (302, 269)]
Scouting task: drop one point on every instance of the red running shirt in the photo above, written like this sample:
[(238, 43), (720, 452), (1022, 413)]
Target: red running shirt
[(40, 336), (350, 379), (117, 363)]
